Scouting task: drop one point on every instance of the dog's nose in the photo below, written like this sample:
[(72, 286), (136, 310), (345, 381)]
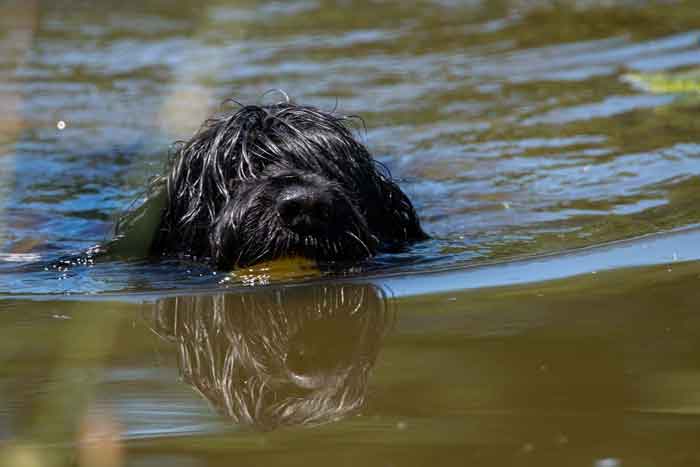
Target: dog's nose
[(305, 209)]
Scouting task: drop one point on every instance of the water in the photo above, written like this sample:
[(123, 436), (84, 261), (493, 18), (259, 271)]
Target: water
[(524, 139)]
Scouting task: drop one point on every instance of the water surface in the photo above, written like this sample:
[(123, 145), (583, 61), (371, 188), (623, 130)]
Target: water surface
[(511, 337)]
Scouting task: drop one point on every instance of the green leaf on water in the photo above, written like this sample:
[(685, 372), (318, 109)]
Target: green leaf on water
[(686, 82)]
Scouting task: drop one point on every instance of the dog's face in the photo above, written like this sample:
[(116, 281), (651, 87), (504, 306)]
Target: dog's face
[(285, 212), (265, 182)]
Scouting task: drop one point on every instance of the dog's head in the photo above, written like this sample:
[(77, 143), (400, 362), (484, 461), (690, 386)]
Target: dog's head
[(264, 182)]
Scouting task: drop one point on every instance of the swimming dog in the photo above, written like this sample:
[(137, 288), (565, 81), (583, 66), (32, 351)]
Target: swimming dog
[(262, 182)]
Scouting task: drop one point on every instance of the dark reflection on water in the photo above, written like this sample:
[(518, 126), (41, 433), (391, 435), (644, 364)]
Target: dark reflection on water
[(565, 372), (278, 357)]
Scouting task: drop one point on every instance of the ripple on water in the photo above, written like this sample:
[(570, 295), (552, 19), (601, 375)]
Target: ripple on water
[(512, 136)]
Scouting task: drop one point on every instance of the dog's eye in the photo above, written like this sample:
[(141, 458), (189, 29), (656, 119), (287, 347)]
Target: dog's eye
[(323, 212), (289, 209)]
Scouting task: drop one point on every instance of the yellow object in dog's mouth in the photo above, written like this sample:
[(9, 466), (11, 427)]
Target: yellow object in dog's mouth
[(282, 269)]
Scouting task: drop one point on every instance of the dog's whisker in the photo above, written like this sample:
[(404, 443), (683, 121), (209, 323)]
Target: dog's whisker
[(240, 256), (258, 257), (363, 244)]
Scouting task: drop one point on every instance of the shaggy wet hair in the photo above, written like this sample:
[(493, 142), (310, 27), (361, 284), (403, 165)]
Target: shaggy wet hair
[(278, 357), (268, 181)]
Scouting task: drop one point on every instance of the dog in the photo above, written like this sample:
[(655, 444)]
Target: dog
[(262, 182)]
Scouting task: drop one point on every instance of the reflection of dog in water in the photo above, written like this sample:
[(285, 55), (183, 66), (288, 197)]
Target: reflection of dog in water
[(264, 182), (271, 358)]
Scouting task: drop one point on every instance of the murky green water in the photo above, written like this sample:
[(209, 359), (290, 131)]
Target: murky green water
[(518, 128)]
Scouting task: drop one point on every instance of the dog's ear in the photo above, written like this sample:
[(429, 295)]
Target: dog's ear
[(196, 185), (394, 216), (223, 238)]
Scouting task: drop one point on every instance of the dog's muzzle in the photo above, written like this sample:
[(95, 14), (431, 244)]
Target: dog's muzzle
[(306, 209)]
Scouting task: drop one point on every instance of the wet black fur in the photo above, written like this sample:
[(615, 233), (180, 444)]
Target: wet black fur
[(222, 186)]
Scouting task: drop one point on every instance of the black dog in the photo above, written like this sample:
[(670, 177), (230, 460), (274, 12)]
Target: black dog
[(270, 181)]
